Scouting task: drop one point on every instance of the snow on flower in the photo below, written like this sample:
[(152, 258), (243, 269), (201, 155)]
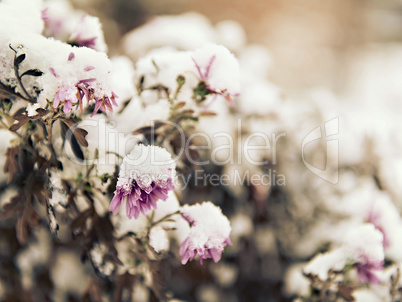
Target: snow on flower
[(209, 232), (362, 247), (88, 33), (218, 68), (321, 264), (146, 175), (383, 214), (71, 93), (21, 16)]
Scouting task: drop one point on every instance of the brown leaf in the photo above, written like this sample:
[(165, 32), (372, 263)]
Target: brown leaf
[(81, 219), (180, 105), (11, 165), (10, 208), (187, 112), (346, 292), (207, 113), (123, 282), (28, 218), (22, 120), (148, 129), (158, 280), (79, 133), (40, 113)]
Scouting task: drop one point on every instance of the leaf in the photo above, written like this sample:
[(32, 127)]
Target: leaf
[(201, 92), (346, 292), (79, 133), (181, 80), (148, 129), (79, 222), (75, 146), (179, 105), (22, 120), (122, 282), (19, 59), (154, 253), (11, 165), (207, 113), (187, 112), (158, 280), (28, 218), (10, 208), (32, 72), (40, 113)]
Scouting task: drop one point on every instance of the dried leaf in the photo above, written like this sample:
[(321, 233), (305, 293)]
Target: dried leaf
[(22, 120), (14, 206), (158, 280), (77, 132), (123, 282), (148, 129), (11, 165), (40, 113), (81, 219), (28, 218), (179, 105), (207, 113), (346, 292)]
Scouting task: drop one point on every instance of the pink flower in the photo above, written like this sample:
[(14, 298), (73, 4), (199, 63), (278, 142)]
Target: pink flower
[(221, 72), (143, 181), (208, 235), (88, 33), (366, 272), (364, 248), (87, 88), (140, 198), (375, 218), (188, 250)]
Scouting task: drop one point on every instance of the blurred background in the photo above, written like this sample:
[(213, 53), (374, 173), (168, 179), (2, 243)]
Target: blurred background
[(312, 43)]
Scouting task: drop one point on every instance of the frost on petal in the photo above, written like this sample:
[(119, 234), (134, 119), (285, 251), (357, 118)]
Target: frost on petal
[(209, 232), (146, 175)]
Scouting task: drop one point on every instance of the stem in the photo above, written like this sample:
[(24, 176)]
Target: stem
[(115, 153), (22, 86), (49, 138), (4, 90), (164, 218), (17, 75)]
